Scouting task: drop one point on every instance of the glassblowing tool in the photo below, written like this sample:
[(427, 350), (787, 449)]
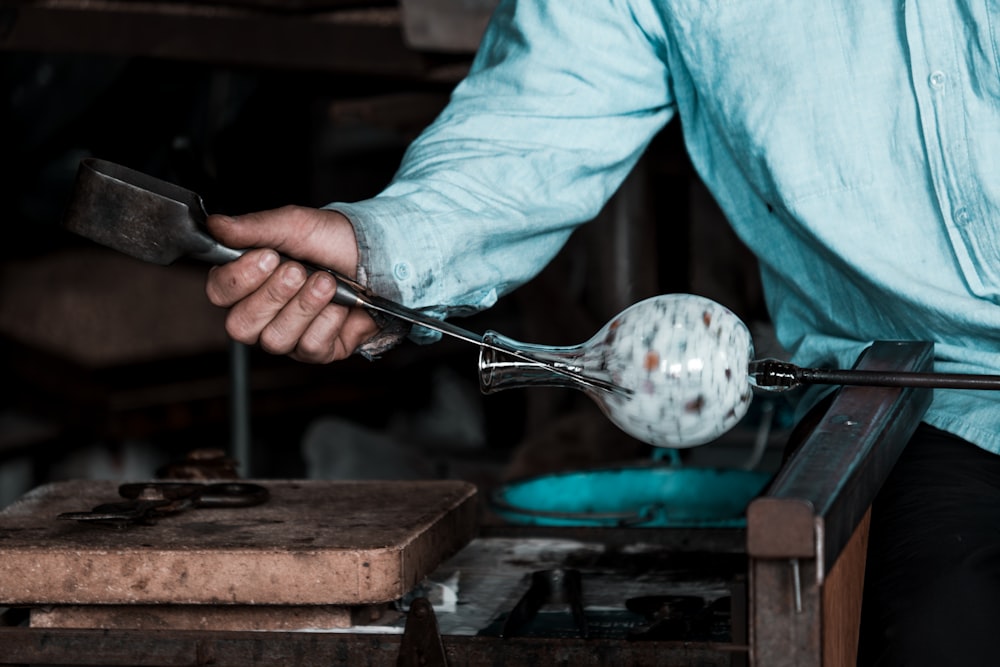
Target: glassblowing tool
[(675, 370)]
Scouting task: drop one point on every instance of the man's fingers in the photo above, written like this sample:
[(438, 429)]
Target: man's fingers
[(315, 235), (334, 335), (258, 229), (281, 335), (248, 317), (275, 303), (234, 281), (357, 329)]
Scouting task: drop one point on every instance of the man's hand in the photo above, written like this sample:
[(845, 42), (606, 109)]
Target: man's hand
[(277, 304)]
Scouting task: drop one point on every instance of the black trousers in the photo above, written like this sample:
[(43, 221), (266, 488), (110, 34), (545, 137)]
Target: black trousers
[(932, 580)]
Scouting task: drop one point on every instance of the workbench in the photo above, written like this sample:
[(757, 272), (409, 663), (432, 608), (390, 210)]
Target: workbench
[(793, 576)]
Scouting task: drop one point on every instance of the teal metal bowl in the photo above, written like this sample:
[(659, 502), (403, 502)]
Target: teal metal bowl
[(632, 496)]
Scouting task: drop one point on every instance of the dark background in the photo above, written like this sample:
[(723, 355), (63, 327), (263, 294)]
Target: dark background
[(113, 367)]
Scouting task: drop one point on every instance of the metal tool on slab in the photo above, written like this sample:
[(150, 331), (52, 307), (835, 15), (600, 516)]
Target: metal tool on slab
[(147, 502)]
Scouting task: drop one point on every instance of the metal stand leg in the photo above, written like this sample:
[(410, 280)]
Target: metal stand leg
[(239, 406)]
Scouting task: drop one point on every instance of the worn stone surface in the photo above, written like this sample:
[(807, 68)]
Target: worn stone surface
[(311, 543)]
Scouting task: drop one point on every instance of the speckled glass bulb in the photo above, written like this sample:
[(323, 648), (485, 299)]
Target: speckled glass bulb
[(681, 359)]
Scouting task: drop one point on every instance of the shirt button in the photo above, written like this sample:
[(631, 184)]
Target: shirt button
[(936, 79), (401, 271), (962, 216)]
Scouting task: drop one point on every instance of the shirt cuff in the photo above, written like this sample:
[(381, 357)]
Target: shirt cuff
[(381, 269)]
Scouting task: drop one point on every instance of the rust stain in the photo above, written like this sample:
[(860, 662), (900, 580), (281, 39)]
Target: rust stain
[(652, 361), (695, 405), (706, 317), (612, 330)]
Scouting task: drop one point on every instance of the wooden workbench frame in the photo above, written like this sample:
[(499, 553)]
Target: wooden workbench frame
[(807, 535)]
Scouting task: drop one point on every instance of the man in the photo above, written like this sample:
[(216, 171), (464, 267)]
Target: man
[(854, 147)]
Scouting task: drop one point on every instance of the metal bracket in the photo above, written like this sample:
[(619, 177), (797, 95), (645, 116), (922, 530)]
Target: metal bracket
[(421, 645)]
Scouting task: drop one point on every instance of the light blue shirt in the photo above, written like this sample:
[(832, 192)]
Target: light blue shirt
[(854, 147)]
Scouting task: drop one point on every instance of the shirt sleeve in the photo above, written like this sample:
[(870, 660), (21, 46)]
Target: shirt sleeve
[(561, 101)]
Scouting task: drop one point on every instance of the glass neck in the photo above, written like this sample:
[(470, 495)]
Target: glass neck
[(505, 363)]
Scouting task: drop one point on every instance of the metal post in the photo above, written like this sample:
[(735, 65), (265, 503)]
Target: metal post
[(239, 406)]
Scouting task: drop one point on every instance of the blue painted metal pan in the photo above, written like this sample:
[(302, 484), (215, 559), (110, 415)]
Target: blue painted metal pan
[(640, 496)]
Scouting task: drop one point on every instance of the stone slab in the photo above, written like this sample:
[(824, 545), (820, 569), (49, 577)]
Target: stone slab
[(286, 618), (312, 543)]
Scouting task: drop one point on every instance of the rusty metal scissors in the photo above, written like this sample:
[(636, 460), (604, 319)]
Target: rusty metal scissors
[(147, 502)]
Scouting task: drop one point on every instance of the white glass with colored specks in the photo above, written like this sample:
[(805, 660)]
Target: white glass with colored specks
[(680, 362)]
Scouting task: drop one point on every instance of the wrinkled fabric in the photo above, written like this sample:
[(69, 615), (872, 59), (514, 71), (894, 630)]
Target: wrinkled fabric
[(854, 147)]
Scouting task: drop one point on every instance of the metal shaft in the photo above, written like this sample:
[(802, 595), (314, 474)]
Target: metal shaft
[(447, 328), (781, 375)]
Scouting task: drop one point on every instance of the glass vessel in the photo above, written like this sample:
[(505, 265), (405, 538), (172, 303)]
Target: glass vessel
[(670, 371)]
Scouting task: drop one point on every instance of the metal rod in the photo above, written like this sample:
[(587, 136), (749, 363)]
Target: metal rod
[(447, 328), (900, 379), (781, 375), (239, 406), (797, 584)]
